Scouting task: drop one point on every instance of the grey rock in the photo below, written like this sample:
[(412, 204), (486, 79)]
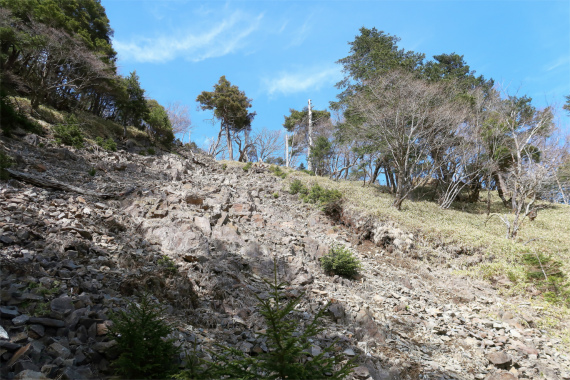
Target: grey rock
[(63, 305), (21, 320), (47, 322), (58, 350), (9, 311), (30, 375), (500, 359)]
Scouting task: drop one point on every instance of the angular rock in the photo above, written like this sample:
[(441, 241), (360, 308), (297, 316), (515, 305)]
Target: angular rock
[(500, 359)]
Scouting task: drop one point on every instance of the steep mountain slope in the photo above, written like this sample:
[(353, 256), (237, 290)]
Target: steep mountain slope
[(201, 237)]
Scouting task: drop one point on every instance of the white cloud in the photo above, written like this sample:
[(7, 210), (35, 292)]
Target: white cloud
[(303, 80), (224, 37), (565, 60)]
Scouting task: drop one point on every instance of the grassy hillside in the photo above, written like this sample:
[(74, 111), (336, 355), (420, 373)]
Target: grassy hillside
[(467, 227)]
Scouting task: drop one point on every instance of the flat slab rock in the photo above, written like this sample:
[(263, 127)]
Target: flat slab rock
[(500, 359)]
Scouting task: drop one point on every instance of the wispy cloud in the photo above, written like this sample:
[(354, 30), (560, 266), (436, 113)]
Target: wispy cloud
[(312, 78), (300, 34), (225, 37), (565, 60)]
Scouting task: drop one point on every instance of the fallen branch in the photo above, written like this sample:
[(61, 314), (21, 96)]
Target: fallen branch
[(53, 184)]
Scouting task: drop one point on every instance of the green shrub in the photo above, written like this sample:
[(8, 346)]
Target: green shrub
[(5, 163), (341, 261), (69, 133), (288, 344), (151, 151), (92, 172), (276, 195), (276, 170), (11, 118), (297, 187), (140, 333), (321, 196), (247, 167), (308, 172), (168, 264), (224, 166), (108, 144), (142, 153)]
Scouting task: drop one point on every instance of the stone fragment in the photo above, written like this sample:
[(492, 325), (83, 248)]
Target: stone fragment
[(361, 372), (203, 224), (63, 305), (349, 352), (39, 330), (48, 322), (3, 333), (9, 311), (30, 375), (21, 320), (58, 351), (500, 359), (501, 376)]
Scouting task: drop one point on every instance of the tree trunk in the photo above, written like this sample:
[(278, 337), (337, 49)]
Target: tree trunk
[(501, 188), (230, 147), (286, 151), (375, 172), (310, 138)]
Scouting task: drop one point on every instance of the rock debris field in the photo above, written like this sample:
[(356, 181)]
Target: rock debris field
[(203, 238)]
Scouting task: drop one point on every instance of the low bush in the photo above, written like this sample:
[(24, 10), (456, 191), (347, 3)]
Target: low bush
[(144, 353), (288, 345), (108, 144), (5, 163), (296, 187), (341, 261), (69, 133), (321, 196), (151, 151), (247, 167), (276, 170), (12, 119), (168, 264)]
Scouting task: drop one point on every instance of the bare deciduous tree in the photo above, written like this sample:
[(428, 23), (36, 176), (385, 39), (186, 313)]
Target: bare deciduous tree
[(179, 116), (406, 114), (267, 143)]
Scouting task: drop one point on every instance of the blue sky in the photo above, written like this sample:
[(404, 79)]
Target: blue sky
[(282, 53)]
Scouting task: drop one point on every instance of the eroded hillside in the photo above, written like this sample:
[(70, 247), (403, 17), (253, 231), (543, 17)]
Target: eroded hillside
[(201, 237)]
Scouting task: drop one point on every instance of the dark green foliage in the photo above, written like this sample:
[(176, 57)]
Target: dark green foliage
[(159, 126), (224, 166), (287, 343), (276, 170), (5, 163), (247, 167), (168, 264), (320, 154), (69, 133), (108, 144), (92, 172), (140, 333), (297, 187), (132, 105), (151, 151), (230, 106), (321, 196), (11, 119), (341, 261)]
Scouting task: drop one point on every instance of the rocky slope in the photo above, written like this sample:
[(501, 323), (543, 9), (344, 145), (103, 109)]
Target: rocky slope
[(202, 238)]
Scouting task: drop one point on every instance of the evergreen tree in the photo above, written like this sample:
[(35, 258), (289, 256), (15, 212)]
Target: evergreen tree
[(230, 106)]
